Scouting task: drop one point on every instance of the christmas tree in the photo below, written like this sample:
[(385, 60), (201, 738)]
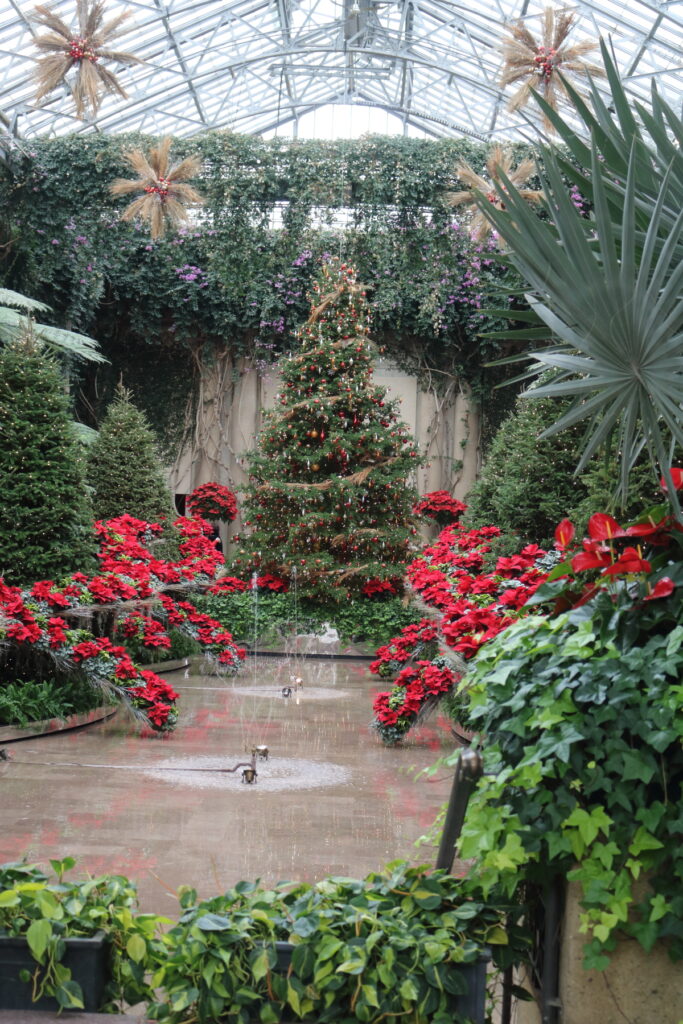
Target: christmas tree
[(328, 499), (45, 516), (124, 469)]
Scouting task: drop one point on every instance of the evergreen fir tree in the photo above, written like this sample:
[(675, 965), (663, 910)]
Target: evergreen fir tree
[(328, 498), (124, 469), (45, 515)]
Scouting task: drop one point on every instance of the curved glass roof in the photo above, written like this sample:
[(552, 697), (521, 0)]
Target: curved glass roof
[(258, 66)]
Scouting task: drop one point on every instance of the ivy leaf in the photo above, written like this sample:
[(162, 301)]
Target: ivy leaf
[(636, 767)]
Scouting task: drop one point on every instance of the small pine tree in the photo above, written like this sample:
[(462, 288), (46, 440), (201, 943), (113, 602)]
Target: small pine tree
[(124, 469), (328, 498), (45, 515), (527, 484)]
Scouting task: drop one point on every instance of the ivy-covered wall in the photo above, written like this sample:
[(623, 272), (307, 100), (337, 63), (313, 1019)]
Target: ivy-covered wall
[(237, 280)]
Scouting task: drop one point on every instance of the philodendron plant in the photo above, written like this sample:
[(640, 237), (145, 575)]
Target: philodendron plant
[(47, 909), (389, 946)]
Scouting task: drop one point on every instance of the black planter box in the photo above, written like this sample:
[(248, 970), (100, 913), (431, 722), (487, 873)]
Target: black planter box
[(471, 1005), (87, 959)]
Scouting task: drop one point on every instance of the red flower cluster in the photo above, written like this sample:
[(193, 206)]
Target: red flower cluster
[(129, 572), (441, 506), (145, 630), (214, 638), (270, 582), (228, 585), (475, 607), (212, 501), (396, 711), (610, 548), (375, 587), (412, 642)]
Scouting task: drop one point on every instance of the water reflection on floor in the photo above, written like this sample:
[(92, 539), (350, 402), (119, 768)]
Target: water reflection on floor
[(330, 798)]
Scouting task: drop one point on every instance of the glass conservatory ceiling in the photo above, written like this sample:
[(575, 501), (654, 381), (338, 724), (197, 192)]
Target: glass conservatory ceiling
[(254, 66)]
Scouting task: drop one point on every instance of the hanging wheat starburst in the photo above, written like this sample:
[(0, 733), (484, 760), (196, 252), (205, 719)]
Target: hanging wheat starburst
[(82, 51), (165, 196), (535, 63), (498, 160)]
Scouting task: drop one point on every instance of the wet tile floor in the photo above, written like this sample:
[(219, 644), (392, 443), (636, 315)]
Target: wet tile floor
[(331, 799)]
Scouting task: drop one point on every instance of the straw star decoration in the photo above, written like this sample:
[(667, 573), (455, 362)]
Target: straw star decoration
[(535, 63), (165, 196), (498, 160), (83, 51)]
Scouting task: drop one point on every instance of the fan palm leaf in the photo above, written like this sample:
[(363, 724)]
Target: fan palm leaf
[(80, 52), (613, 302), (166, 198)]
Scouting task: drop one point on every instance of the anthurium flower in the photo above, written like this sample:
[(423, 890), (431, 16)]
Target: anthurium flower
[(629, 561), (564, 534), (662, 588), (676, 477), (595, 559), (602, 526)]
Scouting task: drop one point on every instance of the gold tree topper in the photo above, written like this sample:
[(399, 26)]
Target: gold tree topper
[(165, 195), (498, 160), (535, 63), (84, 51)]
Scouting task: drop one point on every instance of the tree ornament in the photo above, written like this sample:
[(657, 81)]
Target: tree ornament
[(498, 160), (81, 51), (166, 195), (536, 64)]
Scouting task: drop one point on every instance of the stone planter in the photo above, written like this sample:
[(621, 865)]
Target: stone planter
[(86, 958), (9, 733)]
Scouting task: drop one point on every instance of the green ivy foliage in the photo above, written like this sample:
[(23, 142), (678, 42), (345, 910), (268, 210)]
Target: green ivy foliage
[(275, 617), (583, 716), (230, 279), (45, 514)]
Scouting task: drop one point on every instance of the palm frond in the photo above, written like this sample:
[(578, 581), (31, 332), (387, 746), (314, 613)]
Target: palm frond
[(614, 306), (11, 298)]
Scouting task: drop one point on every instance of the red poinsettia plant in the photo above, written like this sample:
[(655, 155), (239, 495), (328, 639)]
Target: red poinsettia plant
[(212, 501), (440, 506), (40, 617), (637, 569)]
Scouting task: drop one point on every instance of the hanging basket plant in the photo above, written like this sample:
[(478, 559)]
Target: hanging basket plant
[(82, 52), (535, 62), (212, 501), (499, 160), (165, 194)]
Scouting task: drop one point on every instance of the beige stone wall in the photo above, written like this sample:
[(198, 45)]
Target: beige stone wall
[(232, 398)]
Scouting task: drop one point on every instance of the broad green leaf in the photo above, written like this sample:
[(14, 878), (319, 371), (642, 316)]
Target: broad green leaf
[(38, 936), (136, 947)]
